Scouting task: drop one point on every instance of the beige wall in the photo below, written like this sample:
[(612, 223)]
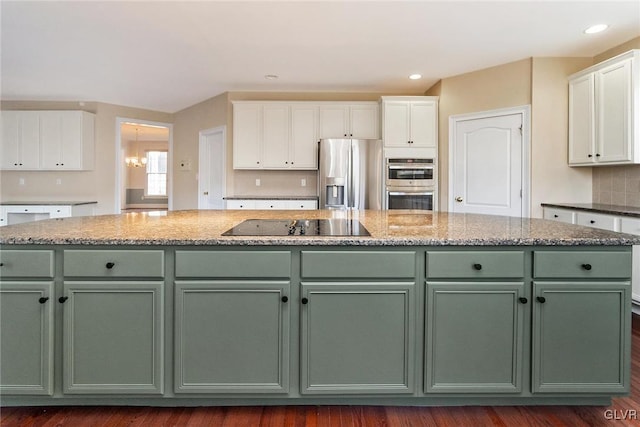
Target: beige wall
[(98, 184), (187, 126), (507, 85), (552, 180)]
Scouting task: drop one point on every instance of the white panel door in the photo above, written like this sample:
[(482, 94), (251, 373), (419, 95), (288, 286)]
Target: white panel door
[(211, 173), (487, 166)]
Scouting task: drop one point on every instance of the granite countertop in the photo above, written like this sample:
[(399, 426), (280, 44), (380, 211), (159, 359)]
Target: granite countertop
[(387, 228), (46, 203), (597, 207), (270, 198)]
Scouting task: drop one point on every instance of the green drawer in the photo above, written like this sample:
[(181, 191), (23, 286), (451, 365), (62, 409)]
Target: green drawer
[(249, 264), (475, 264), (26, 264), (362, 264), (113, 263), (582, 264)]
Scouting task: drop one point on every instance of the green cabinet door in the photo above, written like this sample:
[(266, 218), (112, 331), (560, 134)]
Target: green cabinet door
[(232, 336), (581, 337), (357, 338), (26, 338), (113, 337), (474, 337)]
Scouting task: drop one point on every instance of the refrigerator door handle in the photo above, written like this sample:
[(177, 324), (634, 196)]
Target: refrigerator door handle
[(350, 186)]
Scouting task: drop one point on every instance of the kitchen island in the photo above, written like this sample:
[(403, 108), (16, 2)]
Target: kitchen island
[(429, 309)]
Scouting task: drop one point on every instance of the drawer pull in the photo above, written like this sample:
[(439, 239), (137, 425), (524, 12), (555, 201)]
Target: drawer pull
[(477, 266), (285, 298), (304, 300), (42, 300), (541, 300), (110, 265), (1, 264), (586, 266), (62, 300), (523, 300), (555, 215), (593, 221)]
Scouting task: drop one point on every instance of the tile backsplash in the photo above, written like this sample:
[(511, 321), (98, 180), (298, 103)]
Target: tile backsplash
[(617, 185)]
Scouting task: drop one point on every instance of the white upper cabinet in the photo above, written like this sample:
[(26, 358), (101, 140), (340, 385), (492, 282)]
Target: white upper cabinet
[(304, 136), (350, 120), (604, 112), (20, 146), (247, 135), (47, 140), (285, 134), (410, 121)]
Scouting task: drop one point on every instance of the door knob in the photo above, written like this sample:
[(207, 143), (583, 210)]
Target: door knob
[(458, 199), (206, 193)]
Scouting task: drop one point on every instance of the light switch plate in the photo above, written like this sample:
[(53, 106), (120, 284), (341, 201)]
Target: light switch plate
[(257, 182)]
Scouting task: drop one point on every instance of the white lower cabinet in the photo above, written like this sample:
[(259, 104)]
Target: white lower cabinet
[(18, 214), (622, 224), (282, 204)]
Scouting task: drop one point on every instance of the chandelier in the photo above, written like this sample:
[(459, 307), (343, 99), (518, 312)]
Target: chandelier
[(136, 161)]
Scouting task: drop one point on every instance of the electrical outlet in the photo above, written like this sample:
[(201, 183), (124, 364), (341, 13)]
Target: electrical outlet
[(58, 181), (303, 182), (257, 182), (21, 181)]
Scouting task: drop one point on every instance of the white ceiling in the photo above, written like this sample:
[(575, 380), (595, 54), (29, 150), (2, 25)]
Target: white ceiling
[(166, 56)]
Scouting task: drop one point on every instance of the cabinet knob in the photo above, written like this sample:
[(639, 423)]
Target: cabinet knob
[(555, 216), (589, 155), (586, 266), (477, 266), (523, 300), (592, 221), (42, 300), (458, 199), (110, 265), (304, 300), (284, 298), (62, 300), (1, 264), (541, 300), (597, 155)]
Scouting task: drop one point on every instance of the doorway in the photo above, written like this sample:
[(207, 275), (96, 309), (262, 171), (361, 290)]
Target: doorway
[(143, 159), (212, 168), (489, 162)]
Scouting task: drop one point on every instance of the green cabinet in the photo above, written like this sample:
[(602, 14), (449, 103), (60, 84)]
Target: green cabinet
[(474, 337), (232, 336), (581, 337), (113, 334), (26, 338), (357, 337)]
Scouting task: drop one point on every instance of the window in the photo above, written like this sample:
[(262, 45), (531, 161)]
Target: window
[(156, 174)]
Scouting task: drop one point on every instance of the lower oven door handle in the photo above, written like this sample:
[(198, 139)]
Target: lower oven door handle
[(409, 193), (410, 167)]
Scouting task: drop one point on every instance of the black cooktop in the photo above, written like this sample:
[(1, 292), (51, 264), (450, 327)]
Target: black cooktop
[(298, 227)]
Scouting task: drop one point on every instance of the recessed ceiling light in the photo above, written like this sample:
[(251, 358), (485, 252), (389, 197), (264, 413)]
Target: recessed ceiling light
[(271, 77), (415, 76), (596, 28)]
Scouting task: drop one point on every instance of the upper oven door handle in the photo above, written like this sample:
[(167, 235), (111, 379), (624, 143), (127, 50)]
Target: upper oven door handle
[(409, 193), (410, 167)]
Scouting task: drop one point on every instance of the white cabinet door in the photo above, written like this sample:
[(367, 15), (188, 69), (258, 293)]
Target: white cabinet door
[(240, 204), (302, 204), (423, 124), (271, 204), (410, 123), (561, 215), (66, 140), (275, 137), (334, 121), (396, 124), (20, 145), (247, 136), (581, 120), (304, 136), (364, 122), (606, 222), (613, 112)]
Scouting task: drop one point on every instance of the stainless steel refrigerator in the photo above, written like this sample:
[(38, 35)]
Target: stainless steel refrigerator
[(350, 174)]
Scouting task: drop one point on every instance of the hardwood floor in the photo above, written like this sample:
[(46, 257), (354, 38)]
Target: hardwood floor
[(624, 411)]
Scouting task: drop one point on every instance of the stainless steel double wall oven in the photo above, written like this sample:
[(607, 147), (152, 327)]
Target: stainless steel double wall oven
[(410, 183)]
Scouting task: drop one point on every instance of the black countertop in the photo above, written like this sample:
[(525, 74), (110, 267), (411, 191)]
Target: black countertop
[(597, 207)]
